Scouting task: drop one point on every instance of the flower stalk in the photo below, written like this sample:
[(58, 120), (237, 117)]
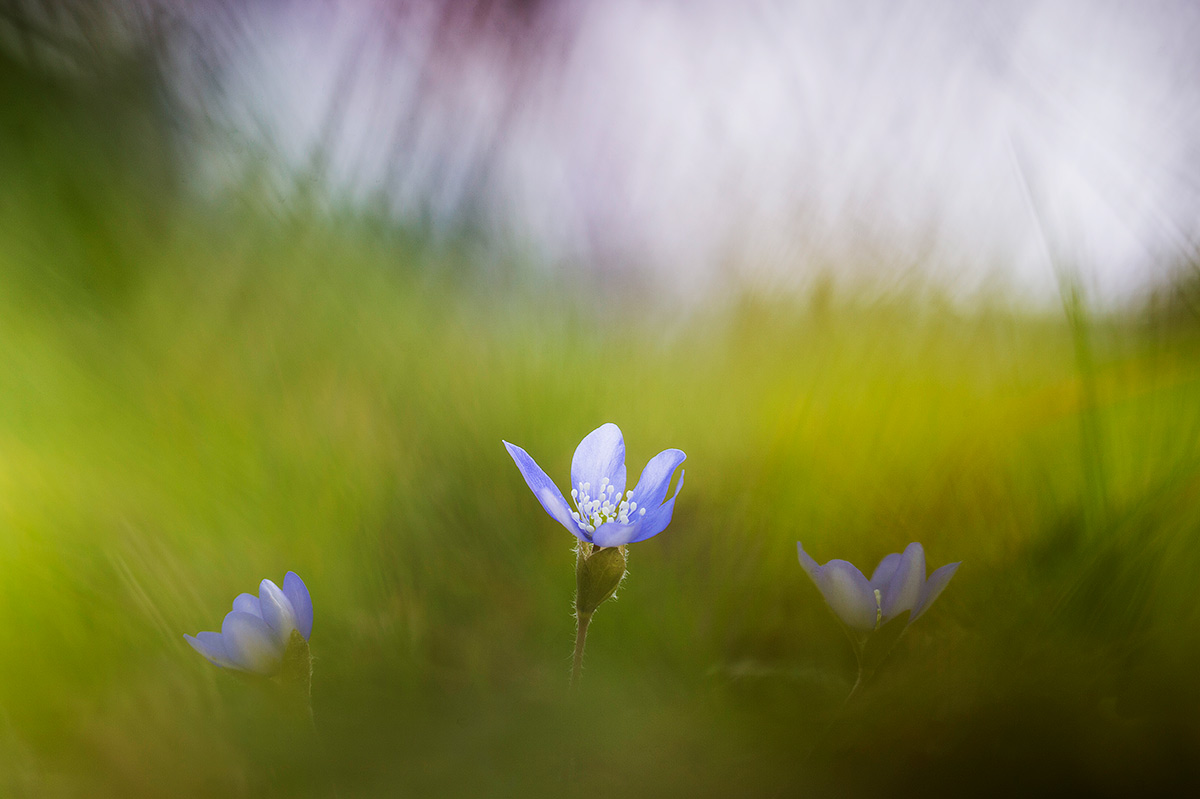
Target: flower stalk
[(295, 676), (582, 620)]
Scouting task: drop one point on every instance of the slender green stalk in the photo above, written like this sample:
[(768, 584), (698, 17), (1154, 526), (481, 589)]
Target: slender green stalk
[(858, 681), (869, 661), (295, 678), (582, 620)]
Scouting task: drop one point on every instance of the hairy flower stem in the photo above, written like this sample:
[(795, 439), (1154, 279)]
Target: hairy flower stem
[(582, 620), (294, 683), (295, 678)]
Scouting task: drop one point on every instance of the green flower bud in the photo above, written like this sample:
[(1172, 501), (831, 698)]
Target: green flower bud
[(598, 574)]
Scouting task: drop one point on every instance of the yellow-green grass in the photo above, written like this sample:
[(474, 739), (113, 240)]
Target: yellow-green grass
[(262, 395)]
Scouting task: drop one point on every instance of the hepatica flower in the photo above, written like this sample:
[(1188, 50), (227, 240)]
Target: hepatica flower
[(263, 634), (898, 585), (601, 510), (602, 514)]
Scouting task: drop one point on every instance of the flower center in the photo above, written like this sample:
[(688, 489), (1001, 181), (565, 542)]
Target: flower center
[(878, 608), (606, 506)]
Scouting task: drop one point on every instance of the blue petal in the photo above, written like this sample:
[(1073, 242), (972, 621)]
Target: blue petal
[(248, 603), (601, 454), (884, 571), (848, 594), (657, 518), (933, 587), (297, 594), (277, 611), (250, 643), (904, 588), (656, 477), (545, 490), (844, 589), (212, 646), (614, 534), (810, 566)]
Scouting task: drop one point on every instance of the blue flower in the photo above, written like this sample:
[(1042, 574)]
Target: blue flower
[(898, 585), (255, 634), (605, 514)]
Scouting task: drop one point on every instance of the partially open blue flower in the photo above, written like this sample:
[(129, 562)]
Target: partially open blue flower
[(605, 514), (898, 585), (255, 634)]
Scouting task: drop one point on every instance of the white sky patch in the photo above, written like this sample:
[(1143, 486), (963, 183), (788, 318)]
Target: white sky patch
[(771, 141)]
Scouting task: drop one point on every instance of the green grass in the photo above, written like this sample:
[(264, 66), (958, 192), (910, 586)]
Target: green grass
[(193, 399)]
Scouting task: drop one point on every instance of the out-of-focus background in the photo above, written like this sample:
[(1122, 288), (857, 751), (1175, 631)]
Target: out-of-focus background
[(276, 278)]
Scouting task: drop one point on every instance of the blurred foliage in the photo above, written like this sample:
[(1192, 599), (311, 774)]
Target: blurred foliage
[(1176, 304), (195, 395)]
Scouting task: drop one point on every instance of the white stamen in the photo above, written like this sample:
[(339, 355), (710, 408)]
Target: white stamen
[(608, 506), (641, 512)]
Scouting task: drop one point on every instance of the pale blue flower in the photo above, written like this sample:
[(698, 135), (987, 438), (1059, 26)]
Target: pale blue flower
[(898, 585), (255, 634), (604, 513)]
